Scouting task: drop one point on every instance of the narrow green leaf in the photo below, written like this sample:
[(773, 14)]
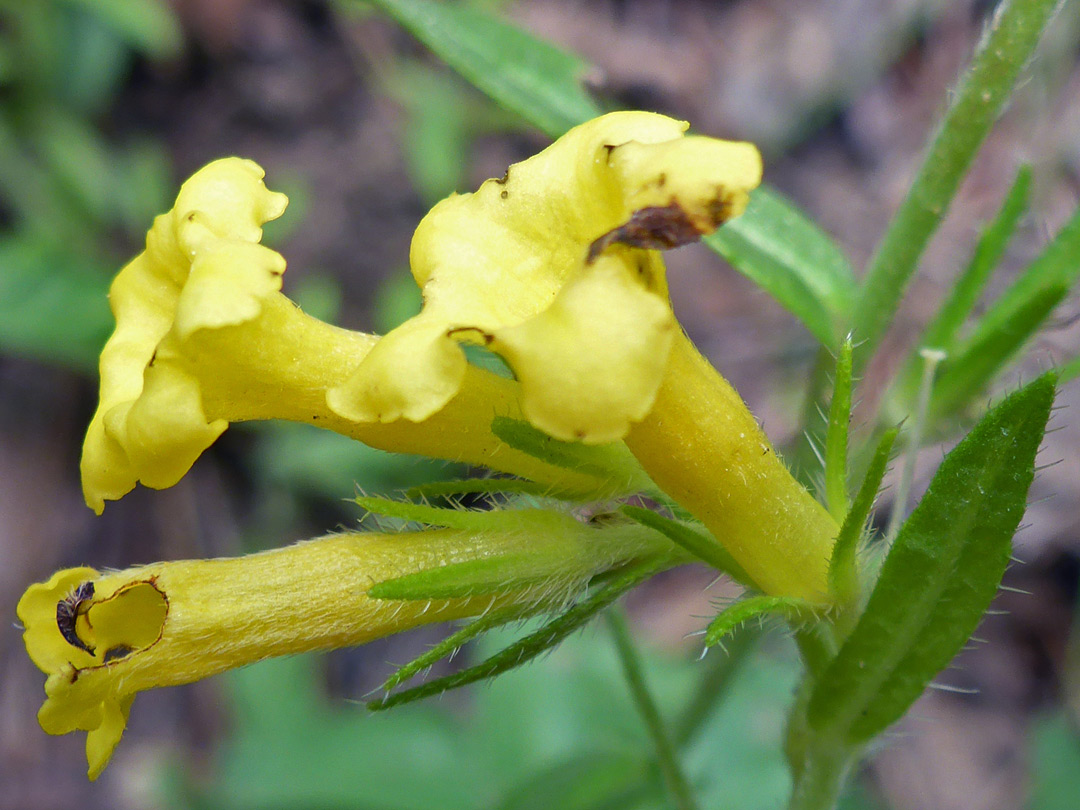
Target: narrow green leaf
[(966, 374), (776, 246), (535, 643), (836, 436), (479, 486), (1015, 29), (494, 575), (611, 462), (428, 515), (941, 573), (701, 544), (523, 73), (843, 565), (1058, 265), (941, 332), (789, 607), (452, 643)]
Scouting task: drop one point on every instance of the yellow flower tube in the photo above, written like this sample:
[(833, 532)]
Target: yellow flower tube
[(204, 337), (101, 637), (704, 448)]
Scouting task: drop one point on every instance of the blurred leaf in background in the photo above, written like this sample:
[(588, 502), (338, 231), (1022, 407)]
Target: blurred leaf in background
[(558, 733), (73, 204)]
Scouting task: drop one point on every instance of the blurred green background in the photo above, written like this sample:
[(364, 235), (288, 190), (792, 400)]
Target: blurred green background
[(106, 105)]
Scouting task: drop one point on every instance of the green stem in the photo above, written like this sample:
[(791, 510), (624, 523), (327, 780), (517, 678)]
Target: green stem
[(817, 646), (836, 437), (1014, 32), (931, 359), (822, 777), (665, 750)]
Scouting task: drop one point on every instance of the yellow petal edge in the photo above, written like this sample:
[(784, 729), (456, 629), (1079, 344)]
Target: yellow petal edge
[(202, 269)]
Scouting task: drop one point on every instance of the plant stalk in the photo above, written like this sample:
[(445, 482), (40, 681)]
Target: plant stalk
[(639, 690)]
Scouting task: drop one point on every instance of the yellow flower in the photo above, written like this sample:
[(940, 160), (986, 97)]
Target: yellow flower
[(545, 267), (554, 267), (204, 337), (103, 637)]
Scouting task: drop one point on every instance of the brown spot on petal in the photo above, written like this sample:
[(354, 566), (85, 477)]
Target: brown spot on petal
[(460, 331), (118, 652), (68, 611), (654, 228)]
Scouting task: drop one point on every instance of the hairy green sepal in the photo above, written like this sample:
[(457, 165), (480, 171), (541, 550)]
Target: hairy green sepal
[(843, 565), (795, 611), (698, 542), (533, 644)]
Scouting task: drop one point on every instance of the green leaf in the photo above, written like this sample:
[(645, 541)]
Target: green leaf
[(964, 376), (843, 565), (52, 307), (836, 436), (149, 26), (611, 462), (523, 73), (776, 246), (1008, 324), (789, 607), (469, 519), (492, 576), (1015, 29), (478, 486), (452, 643), (940, 575), (702, 545), (535, 643), (941, 332)]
